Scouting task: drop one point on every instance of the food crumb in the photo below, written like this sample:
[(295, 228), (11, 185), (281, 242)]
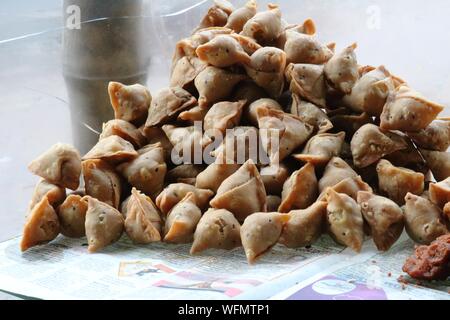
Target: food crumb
[(401, 279), (389, 274)]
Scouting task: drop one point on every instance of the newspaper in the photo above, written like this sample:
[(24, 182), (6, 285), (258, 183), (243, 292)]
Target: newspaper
[(63, 269), (369, 276)]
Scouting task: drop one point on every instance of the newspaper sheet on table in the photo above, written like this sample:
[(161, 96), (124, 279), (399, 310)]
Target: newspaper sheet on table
[(63, 269), (369, 276)]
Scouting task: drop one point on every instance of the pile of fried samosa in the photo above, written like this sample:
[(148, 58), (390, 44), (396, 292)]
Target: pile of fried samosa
[(358, 150)]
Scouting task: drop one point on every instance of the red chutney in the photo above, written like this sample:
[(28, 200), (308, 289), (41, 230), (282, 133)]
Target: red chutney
[(430, 262)]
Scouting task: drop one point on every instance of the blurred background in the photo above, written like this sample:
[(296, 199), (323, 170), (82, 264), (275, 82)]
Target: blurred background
[(38, 53)]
